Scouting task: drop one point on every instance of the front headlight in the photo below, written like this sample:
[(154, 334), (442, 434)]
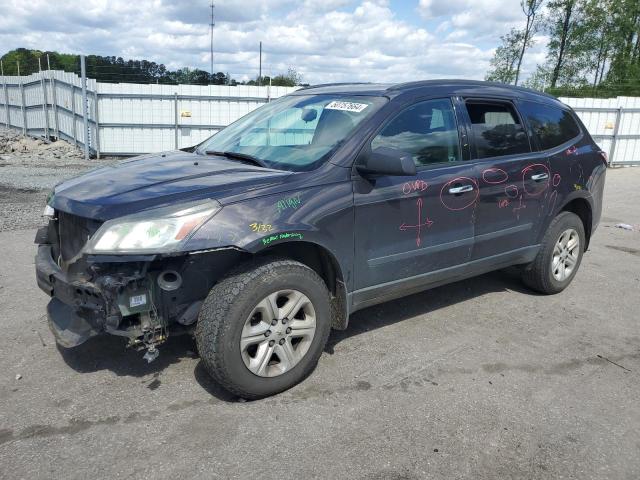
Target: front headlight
[(156, 231)]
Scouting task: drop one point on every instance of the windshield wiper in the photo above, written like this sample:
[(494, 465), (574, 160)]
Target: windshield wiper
[(239, 156)]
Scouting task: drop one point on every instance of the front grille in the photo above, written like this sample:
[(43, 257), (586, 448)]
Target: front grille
[(73, 234)]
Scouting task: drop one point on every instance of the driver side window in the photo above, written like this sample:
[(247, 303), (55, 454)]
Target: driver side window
[(427, 130)]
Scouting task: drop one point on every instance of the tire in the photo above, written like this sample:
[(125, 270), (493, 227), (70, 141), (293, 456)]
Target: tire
[(544, 274), (239, 306)]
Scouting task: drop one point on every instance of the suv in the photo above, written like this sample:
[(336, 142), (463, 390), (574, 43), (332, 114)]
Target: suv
[(329, 200)]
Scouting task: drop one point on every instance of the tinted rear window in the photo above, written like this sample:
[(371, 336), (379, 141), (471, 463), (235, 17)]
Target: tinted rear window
[(552, 126), (496, 129)]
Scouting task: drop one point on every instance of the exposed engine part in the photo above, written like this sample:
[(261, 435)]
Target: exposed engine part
[(169, 280), (190, 315), (151, 354)]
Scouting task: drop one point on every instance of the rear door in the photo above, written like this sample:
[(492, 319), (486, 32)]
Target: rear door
[(408, 227), (513, 180)]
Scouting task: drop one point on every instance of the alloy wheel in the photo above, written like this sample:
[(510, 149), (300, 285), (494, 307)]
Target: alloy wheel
[(278, 333), (566, 253)]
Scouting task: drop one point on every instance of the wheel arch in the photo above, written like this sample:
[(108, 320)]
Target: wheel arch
[(325, 264), (582, 208)]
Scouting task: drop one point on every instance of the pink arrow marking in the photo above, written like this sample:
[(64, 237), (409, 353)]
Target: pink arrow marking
[(427, 223)]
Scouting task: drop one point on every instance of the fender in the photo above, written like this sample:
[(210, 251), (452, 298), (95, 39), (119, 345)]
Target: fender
[(320, 215)]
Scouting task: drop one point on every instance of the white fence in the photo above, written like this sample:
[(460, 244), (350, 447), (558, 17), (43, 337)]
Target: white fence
[(614, 124), (129, 119), (125, 118)]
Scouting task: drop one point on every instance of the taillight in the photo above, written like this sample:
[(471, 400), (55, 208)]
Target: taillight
[(605, 157)]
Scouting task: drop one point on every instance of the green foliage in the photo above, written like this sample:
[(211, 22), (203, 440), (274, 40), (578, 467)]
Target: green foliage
[(505, 58), (116, 69), (593, 50)]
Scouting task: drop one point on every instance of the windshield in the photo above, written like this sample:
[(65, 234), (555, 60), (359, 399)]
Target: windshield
[(296, 133)]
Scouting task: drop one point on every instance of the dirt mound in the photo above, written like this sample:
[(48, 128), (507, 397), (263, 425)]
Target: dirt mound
[(11, 141)]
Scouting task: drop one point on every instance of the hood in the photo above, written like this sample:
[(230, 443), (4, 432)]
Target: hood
[(154, 181)]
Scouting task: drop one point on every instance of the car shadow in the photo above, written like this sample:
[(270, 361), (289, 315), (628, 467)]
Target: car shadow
[(427, 302), (106, 352)]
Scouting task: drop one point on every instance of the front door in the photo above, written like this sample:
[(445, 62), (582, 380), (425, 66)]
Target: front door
[(408, 228), (513, 181)]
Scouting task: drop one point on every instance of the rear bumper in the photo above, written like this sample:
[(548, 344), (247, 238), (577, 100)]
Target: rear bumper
[(76, 311)]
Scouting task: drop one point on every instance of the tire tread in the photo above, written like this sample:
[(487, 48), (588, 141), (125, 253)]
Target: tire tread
[(216, 308)]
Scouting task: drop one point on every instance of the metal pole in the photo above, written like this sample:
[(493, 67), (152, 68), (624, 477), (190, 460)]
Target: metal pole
[(614, 139), (45, 103), (23, 104), (260, 68), (73, 114), (212, 24), (175, 115), (96, 118), (85, 106), (6, 96), (55, 98)]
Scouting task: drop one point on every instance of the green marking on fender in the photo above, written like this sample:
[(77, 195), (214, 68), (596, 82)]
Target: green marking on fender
[(282, 236)]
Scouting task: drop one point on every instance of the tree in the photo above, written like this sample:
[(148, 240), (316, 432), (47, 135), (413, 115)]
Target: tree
[(505, 57), (530, 9), (290, 79), (625, 42), (561, 31)]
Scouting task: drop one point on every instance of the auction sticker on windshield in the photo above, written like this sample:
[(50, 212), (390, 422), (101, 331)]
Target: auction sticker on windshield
[(346, 106)]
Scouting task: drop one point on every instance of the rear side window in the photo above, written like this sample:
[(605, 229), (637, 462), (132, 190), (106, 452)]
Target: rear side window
[(496, 129), (552, 126), (426, 130)]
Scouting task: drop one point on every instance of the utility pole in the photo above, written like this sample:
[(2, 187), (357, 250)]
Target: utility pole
[(85, 107), (212, 24), (260, 67)]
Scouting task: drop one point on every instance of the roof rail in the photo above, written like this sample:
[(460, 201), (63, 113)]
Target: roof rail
[(424, 83), (337, 84)]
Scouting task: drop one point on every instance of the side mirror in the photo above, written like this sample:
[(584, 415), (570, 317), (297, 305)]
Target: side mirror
[(386, 161)]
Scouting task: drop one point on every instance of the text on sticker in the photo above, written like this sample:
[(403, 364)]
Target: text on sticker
[(346, 106), (137, 300)]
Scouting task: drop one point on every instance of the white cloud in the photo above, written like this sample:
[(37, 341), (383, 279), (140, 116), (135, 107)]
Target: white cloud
[(333, 40)]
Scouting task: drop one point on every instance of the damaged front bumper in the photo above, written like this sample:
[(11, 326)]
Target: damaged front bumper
[(76, 311), (139, 297), (81, 308)]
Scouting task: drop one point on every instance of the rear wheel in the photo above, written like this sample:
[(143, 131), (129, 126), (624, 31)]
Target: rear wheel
[(559, 257), (262, 329)]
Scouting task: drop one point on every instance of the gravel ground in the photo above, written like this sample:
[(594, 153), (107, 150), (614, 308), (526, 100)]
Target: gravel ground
[(480, 379), (29, 169)]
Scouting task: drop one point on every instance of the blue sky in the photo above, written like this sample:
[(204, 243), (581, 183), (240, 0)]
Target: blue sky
[(326, 41)]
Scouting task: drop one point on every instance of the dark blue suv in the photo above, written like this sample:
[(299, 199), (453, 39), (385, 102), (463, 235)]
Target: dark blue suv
[(334, 198)]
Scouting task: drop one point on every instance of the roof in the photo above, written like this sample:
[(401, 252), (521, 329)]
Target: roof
[(451, 86)]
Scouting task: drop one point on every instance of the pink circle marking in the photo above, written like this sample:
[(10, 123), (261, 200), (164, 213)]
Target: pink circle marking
[(459, 179), (511, 191), (526, 170), (494, 170)]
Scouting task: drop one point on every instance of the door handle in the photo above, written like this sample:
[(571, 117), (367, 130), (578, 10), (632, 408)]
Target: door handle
[(539, 176), (462, 189)]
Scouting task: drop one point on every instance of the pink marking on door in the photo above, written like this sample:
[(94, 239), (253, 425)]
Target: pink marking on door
[(494, 176), (528, 170), (415, 186), (475, 192), (418, 226), (520, 206), (511, 191)]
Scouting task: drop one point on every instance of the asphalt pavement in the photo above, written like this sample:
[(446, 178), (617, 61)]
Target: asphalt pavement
[(481, 379)]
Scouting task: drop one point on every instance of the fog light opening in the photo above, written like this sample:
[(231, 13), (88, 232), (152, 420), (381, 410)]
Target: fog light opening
[(169, 280)]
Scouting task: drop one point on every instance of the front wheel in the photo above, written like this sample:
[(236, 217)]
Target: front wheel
[(262, 329), (559, 257)]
